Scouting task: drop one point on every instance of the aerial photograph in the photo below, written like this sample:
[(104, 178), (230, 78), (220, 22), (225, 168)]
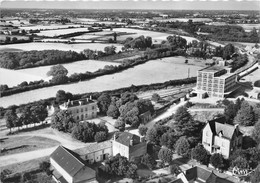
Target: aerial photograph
[(130, 91)]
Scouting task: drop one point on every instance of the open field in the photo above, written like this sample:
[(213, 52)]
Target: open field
[(154, 71), (52, 33), (249, 27), (58, 46), (25, 143), (49, 26), (75, 67), (12, 77), (186, 20)]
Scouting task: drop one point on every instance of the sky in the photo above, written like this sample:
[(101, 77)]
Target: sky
[(136, 4)]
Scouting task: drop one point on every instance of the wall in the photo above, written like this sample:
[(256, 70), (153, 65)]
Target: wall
[(207, 136), (224, 146), (84, 112), (96, 156), (61, 171), (121, 149)]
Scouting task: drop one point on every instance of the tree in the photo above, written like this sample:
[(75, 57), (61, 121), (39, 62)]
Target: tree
[(142, 129), (39, 112), (200, 154), (44, 166), (165, 155), (228, 50), (168, 139), (59, 79), (148, 161), (175, 169), (110, 50), (120, 124), (182, 118), (62, 96), (103, 102), (57, 70), (255, 176), (246, 115), (100, 136), (182, 146), (217, 160), (240, 162), (156, 97), (62, 120), (256, 132), (113, 111), (155, 133), (10, 118), (4, 174), (14, 39)]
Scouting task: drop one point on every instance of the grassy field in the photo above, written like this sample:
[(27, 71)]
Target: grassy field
[(20, 144), (52, 33), (48, 26), (249, 27), (27, 165), (12, 77), (154, 71), (75, 67), (57, 46)]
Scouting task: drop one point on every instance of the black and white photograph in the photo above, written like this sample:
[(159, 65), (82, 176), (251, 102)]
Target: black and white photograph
[(130, 91)]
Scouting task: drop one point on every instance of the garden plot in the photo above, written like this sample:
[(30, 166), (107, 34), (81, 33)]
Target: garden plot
[(52, 33), (49, 26), (58, 46), (75, 67), (13, 77)]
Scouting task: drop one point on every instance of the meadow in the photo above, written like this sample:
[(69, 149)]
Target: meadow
[(49, 26), (249, 27), (12, 77), (75, 67), (57, 46), (154, 71), (52, 33)]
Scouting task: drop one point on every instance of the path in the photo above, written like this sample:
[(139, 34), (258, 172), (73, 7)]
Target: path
[(26, 156)]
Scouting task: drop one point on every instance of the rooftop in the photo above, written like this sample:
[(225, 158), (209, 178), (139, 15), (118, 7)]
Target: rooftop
[(213, 69), (74, 103), (94, 147), (125, 138), (69, 161)]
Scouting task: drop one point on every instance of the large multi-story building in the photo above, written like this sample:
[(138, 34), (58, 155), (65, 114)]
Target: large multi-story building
[(81, 109), (215, 81)]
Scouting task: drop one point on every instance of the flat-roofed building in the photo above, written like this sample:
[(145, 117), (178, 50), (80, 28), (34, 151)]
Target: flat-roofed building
[(81, 109), (215, 81)]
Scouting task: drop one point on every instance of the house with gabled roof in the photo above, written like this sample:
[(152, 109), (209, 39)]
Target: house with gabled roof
[(69, 168), (128, 145), (199, 175), (221, 138)]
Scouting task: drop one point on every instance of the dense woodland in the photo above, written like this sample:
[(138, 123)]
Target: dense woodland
[(26, 59)]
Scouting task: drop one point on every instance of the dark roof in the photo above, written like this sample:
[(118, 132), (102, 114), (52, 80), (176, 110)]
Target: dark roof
[(177, 181), (218, 126), (67, 160), (125, 138), (74, 103)]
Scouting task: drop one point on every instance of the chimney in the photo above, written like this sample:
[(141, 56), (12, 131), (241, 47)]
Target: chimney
[(221, 63), (131, 142), (87, 99), (228, 70), (90, 98), (80, 102)]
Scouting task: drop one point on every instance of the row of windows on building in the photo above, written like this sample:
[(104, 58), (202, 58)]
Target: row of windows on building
[(81, 117), (82, 109)]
